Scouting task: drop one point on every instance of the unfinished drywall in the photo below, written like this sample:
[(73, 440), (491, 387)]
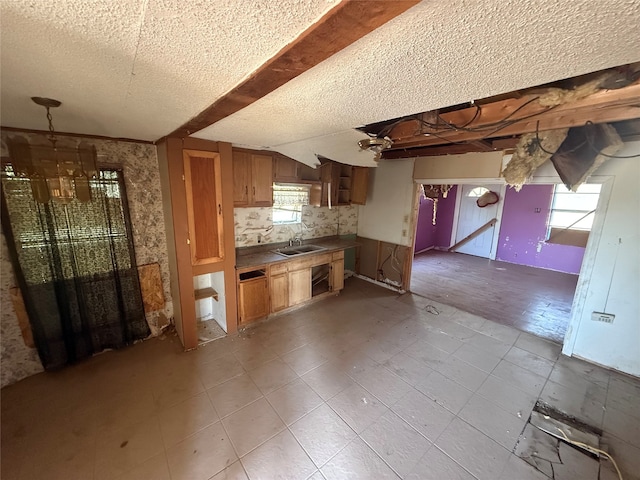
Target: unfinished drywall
[(469, 165), (254, 225), (389, 209), (142, 180), (523, 232), (610, 274)]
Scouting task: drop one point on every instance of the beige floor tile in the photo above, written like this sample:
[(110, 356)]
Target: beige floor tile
[(530, 361), (305, 358), (445, 392), (121, 451), (622, 425), (500, 332), (280, 457), (443, 341), (461, 372), (411, 370), (186, 418), (294, 400), (399, 445), (573, 403), (156, 468), (477, 357), (516, 468), (623, 396), (385, 385), (490, 345), (530, 343), (510, 398), (235, 471), (251, 359), (272, 375), (317, 476), (327, 380), (588, 386), (177, 386), (493, 421), (234, 394), (435, 465), (78, 465), (473, 450), (357, 461), (519, 377), (219, 371), (432, 356), (336, 434), (474, 322), (357, 407), (201, 455), (252, 425), (423, 414)]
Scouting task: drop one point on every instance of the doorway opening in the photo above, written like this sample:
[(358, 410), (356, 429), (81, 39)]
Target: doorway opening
[(521, 270)]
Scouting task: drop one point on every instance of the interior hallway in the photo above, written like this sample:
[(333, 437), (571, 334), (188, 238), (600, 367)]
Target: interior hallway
[(364, 385), (530, 299)]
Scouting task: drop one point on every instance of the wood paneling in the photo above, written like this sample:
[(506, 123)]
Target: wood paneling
[(204, 206), (344, 24)]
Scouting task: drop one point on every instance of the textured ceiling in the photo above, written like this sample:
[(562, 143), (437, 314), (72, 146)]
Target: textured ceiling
[(136, 68), (139, 69)]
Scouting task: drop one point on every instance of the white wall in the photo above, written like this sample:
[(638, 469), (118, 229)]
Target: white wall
[(387, 214), (610, 276)]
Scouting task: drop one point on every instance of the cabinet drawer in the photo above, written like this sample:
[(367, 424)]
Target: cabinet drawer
[(337, 255), (278, 268), (310, 261)]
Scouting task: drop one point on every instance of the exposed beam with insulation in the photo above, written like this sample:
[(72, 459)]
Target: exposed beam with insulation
[(522, 116), (344, 24)]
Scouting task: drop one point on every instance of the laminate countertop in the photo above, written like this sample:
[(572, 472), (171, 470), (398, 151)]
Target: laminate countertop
[(263, 254)]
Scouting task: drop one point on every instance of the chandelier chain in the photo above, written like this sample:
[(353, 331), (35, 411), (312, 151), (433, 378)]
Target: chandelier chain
[(52, 136)]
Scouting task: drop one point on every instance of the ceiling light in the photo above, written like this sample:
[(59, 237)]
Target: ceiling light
[(57, 172), (375, 144)]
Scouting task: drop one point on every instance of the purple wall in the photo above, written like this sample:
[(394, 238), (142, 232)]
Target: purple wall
[(439, 235), (523, 232)]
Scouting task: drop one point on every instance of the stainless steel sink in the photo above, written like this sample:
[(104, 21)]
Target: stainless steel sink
[(297, 250)]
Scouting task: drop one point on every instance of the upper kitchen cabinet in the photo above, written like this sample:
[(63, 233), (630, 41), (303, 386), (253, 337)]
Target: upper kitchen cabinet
[(252, 179), (359, 185), (203, 190), (285, 169), (343, 184)]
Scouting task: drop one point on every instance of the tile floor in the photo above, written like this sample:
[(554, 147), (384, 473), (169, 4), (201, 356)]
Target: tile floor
[(366, 385), (539, 301)]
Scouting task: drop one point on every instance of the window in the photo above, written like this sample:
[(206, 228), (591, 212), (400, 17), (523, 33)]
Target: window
[(572, 214), (288, 201), (477, 192)]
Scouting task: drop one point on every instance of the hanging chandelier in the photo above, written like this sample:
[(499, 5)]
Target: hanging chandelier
[(55, 172)]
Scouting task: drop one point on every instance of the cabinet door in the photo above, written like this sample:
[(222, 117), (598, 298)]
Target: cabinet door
[(337, 275), (241, 178), (279, 292), (253, 299), (261, 180), (285, 169), (359, 185), (299, 286), (204, 206)]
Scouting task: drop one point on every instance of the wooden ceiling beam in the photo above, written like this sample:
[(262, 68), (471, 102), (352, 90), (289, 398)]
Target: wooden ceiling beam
[(604, 106), (344, 24), (452, 149)]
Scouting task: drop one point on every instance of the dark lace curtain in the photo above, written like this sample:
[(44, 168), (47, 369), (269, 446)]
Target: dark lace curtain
[(76, 268)]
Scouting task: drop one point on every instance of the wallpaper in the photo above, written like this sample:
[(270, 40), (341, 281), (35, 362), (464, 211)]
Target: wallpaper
[(254, 226), (142, 180)]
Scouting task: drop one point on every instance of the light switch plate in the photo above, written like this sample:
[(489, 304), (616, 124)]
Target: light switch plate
[(602, 317)]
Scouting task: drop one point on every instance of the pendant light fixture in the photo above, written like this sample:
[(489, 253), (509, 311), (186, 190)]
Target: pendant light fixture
[(55, 172)]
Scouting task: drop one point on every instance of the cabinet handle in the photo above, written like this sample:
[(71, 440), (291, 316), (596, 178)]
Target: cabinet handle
[(246, 190), (254, 191), (219, 209)]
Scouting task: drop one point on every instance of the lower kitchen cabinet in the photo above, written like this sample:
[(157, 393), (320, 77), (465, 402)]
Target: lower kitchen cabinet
[(279, 292), (299, 286), (337, 275), (253, 295)]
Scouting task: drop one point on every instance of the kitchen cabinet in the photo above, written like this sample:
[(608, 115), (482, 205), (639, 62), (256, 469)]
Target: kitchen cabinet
[(279, 291), (253, 294), (344, 184), (336, 277), (299, 286), (359, 185), (252, 179), (203, 190), (285, 169)]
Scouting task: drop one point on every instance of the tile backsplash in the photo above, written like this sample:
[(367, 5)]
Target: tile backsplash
[(254, 225)]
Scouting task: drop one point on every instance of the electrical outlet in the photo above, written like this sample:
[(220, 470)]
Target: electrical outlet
[(602, 317), (404, 233)]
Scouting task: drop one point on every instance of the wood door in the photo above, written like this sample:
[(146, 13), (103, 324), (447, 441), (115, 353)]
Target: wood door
[(359, 185), (253, 299), (471, 217), (279, 292), (204, 206), (285, 169), (337, 275), (241, 178), (261, 180), (299, 286)]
